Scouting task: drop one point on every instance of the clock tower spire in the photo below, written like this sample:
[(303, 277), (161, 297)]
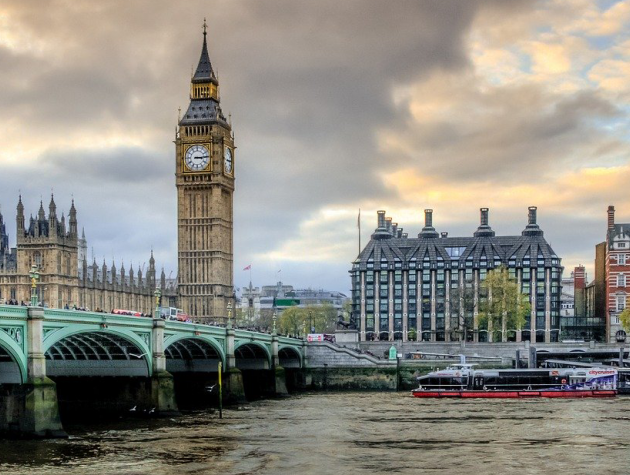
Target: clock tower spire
[(204, 176)]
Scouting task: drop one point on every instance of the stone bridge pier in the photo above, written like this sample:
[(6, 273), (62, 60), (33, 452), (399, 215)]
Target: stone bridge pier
[(235, 389), (162, 382), (31, 409)]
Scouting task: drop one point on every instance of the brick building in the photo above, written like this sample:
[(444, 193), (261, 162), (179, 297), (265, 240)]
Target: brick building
[(617, 273)]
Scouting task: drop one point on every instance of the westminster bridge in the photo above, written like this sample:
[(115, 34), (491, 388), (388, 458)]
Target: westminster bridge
[(46, 352)]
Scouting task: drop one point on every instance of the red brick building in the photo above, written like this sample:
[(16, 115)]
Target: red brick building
[(617, 274)]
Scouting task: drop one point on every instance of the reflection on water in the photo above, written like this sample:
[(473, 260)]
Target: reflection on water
[(346, 433)]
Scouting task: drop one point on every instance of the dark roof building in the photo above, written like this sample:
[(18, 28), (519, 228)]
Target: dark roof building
[(429, 287)]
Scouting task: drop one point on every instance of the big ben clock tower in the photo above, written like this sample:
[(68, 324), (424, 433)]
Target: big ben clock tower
[(205, 185)]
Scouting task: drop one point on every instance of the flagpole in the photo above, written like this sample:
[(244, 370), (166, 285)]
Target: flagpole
[(359, 223)]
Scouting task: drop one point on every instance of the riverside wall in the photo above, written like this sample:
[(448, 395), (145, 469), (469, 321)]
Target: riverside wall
[(470, 349), (333, 367), (351, 365)]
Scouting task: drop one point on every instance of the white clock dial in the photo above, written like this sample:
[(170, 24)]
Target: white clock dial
[(197, 158), (228, 160)]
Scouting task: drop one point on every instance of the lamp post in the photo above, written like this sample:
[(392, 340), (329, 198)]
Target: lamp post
[(34, 275), (310, 320), (229, 312), (158, 295), (275, 317), (304, 330)]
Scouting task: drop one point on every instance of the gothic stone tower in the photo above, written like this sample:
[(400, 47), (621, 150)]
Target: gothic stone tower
[(205, 185), (47, 243)]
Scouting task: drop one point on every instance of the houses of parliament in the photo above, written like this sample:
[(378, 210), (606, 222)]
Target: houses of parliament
[(204, 178)]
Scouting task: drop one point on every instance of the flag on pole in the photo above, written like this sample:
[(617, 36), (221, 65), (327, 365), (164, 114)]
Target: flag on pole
[(248, 267)]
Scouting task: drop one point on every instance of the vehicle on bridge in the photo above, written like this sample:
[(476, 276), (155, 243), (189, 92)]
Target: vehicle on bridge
[(173, 313), (129, 313), (464, 381)]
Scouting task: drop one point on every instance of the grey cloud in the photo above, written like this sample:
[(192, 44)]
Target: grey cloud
[(530, 134), (308, 84)]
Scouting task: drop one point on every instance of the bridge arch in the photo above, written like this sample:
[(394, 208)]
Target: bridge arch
[(213, 342), (289, 357), (193, 354), (252, 355), (90, 351), (13, 358)]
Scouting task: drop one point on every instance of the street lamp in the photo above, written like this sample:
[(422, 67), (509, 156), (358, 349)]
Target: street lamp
[(310, 318), (229, 311), (275, 317), (158, 295), (34, 275), (304, 329)]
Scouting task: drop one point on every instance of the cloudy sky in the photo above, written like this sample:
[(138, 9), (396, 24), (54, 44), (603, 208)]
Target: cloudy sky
[(336, 106)]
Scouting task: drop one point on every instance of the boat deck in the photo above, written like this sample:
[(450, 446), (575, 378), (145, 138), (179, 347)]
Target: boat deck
[(428, 393)]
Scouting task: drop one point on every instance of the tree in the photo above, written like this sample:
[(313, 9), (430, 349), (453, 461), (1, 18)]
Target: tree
[(505, 307), (241, 317), (624, 319), (462, 301), (291, 321), (322, 318), (265, 321)]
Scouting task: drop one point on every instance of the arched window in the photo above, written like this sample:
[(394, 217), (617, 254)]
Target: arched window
[(37, 258)]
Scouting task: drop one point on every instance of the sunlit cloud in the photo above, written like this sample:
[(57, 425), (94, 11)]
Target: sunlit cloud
[(447, 105)]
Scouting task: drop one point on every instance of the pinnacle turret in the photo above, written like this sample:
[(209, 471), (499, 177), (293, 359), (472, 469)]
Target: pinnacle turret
[(41, 215), (52, 208), (20, 215), (204, 72), (73, 220)]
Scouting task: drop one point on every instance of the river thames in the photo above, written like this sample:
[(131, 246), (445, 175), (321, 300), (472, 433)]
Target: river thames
[(326, 433)]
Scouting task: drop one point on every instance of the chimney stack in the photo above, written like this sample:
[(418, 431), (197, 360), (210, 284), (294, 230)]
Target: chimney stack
[(395, 229), (388, 225), (428, 218), (428, 231), (532, 215), (611, 217), (381, 219), (484, 230), (444, 234), (532, 228), (484, 216), (382, 231)]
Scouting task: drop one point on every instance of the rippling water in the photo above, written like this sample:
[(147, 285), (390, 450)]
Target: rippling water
[(327, 433)]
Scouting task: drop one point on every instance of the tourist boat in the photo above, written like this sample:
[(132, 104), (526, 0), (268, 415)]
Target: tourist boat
[(464, 381)]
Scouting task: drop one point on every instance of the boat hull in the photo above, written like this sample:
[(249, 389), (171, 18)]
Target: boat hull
[(584, 393)]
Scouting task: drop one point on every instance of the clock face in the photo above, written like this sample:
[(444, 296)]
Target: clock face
[(228, 160), (197, 158)]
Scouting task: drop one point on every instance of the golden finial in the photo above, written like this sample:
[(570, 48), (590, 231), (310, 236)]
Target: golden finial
[(205, 26)]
